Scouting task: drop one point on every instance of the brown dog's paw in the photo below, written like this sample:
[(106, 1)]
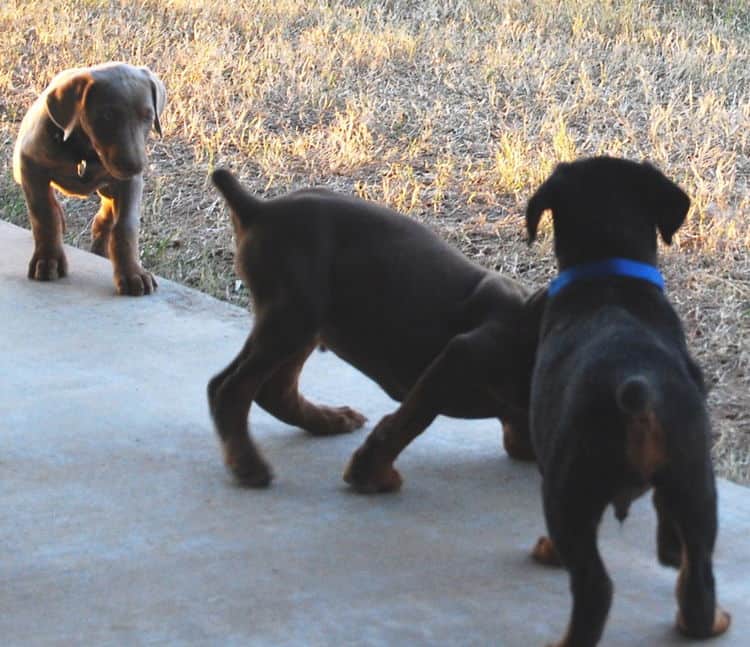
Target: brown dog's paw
[(249, 469), (48, 265), (722, 620), (336, 420), (517, 445), (545, 553), (369, 475), (135, 282)]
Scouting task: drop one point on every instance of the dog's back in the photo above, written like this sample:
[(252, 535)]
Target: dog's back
[(386, 293), (625, 365)]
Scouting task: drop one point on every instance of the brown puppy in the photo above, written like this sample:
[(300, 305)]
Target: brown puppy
[(384, 293), (618, 404), (87, 132)]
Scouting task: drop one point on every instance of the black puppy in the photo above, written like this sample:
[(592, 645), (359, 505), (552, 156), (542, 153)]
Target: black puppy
[(617, 403)]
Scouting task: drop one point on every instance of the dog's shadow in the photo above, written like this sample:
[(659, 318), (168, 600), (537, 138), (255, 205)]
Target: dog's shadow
[(450, 468)]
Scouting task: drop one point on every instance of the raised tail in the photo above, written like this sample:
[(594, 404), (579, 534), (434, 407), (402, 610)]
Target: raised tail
[(243, 205), (645, 441)]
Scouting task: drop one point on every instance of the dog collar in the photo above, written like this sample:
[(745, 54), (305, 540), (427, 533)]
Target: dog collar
[(87, 153), (607, 267)]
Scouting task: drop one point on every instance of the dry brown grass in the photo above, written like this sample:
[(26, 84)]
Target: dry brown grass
[(451, 111)]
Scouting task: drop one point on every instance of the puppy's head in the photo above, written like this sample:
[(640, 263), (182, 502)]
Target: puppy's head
[(606, 207), (115, 105)]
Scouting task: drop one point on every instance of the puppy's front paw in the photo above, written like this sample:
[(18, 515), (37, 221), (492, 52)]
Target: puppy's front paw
[(368, 474), (516, 444), (545, 553), (722, 620), (135, 282), (48, 265)]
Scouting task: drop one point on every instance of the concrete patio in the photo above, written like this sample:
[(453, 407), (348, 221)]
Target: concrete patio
[(121, 526)]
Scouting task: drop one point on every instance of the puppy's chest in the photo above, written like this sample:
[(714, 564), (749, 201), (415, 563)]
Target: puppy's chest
[(76, 168)]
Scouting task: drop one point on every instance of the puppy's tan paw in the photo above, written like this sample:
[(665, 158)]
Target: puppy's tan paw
[(545, 553), (48, 265), (135, 282), (517, 445), (336, 420), (249, 468), (369, 475), (722, 620)]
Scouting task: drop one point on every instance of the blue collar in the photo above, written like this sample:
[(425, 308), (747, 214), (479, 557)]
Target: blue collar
[(607, 267)]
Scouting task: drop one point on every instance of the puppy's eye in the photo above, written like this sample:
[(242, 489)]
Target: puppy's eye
[(148, 116)]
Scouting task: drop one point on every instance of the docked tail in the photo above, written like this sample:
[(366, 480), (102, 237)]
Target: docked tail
[(243, 205), (634, 396), (645, 442)]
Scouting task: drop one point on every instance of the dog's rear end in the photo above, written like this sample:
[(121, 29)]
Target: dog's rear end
[(618, 405)]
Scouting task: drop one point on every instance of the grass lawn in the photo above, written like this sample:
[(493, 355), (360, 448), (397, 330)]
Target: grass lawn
[(451, 111)]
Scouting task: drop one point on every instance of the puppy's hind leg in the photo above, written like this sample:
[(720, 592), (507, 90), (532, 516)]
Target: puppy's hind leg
[(572, 520), (694, 513), (280, 396), (668, 542), (274, 339)]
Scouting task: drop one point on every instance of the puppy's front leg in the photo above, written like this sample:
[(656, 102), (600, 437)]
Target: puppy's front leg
[(370, 469), (130, 277), (48, 261)]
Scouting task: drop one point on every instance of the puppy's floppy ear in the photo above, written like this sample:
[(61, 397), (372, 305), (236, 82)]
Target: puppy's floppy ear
[(65, 97), (544, 198), (158, 96), (669, 202)]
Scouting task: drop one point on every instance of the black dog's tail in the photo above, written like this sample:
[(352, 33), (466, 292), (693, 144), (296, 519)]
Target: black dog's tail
[(645, 441), (634, 395), (244, 206)]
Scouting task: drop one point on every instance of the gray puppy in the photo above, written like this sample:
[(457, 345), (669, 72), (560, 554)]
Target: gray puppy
[(87, 132)]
